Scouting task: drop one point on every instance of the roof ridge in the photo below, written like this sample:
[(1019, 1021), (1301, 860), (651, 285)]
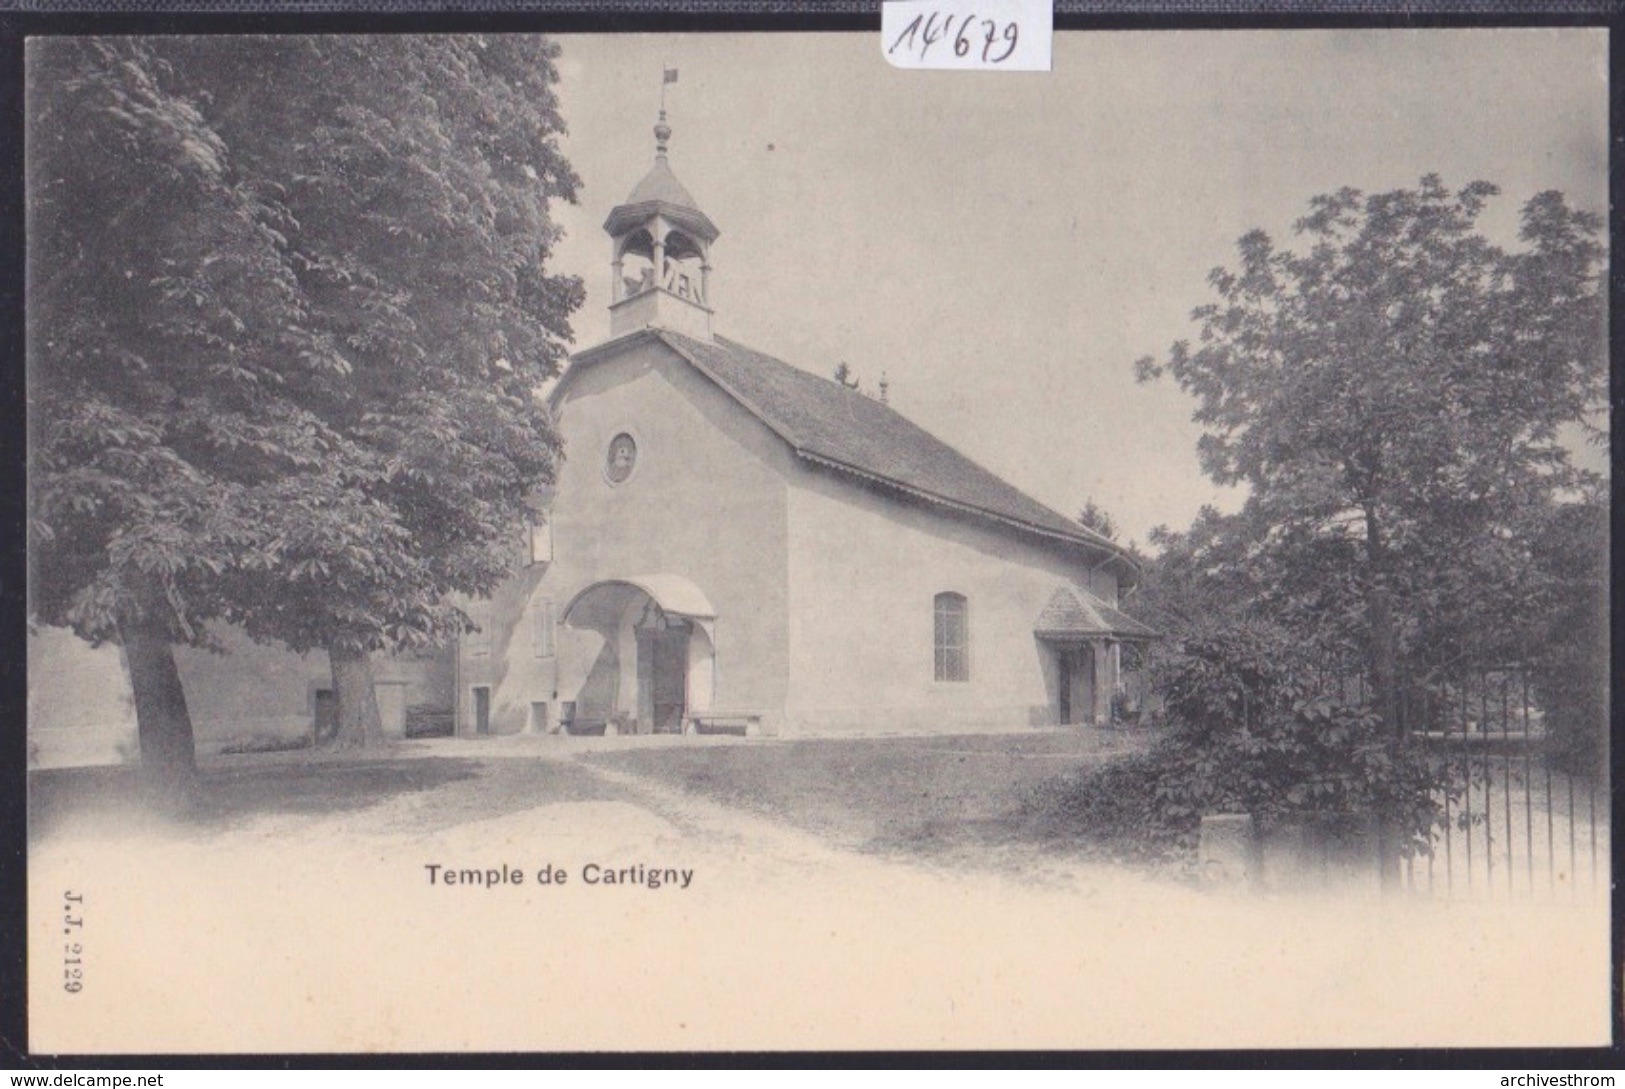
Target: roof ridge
[(1076, 529), (665, 336)]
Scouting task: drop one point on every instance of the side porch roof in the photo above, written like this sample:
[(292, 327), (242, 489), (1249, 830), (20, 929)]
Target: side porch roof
[(1075, 613)]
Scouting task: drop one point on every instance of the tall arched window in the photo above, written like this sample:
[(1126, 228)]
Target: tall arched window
[(952, 637)]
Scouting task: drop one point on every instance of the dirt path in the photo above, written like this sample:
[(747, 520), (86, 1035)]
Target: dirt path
[(323, 922)]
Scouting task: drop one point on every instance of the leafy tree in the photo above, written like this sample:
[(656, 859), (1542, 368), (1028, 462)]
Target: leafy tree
[(128, 189), (1095, 517), (290, 316), (1572, 665), (845, 376), (1395, 396), (419, 226)]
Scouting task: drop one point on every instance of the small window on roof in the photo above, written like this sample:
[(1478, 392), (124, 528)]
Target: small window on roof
[(952, 641)]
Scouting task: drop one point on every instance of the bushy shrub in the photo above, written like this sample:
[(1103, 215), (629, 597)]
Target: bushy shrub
[(1245, 730), (1249, 731)]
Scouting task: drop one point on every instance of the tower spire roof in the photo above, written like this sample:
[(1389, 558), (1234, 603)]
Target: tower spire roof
[(660, 193)]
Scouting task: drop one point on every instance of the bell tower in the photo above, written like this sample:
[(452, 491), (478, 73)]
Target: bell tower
[(661, 255)]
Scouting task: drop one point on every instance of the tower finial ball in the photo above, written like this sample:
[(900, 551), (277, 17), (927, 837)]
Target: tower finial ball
[(662, 134)]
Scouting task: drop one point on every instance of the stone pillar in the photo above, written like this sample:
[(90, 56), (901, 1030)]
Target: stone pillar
[(1227, 852), (701, 668), (626, 650), (1286, 861), (660, 259), (1105, 681), (617, 285)]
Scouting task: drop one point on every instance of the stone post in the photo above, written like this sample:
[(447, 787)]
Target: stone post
[(1105, 682), (1227, 852)]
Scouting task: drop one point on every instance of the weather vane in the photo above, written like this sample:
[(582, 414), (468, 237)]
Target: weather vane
[(670, 76), (663, 130)]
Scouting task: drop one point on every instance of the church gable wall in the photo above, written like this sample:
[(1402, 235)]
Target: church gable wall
[(705, 500)]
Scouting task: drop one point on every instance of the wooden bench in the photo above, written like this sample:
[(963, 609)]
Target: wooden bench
[(572, 723), (748, 723)]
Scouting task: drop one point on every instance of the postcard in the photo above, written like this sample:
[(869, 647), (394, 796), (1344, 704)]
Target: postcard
[(557, 542)]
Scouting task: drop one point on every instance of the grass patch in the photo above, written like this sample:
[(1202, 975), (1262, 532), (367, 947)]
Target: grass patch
[(936, 796), (1103, 809)]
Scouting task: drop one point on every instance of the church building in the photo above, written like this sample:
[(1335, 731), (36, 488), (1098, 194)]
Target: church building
[(737, 544), (733, 544)]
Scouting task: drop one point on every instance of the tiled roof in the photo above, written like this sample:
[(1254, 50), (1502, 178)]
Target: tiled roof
[(1075, 611), (662, 185), (827, 423)]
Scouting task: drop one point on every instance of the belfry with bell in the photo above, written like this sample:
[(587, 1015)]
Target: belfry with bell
[(661, 250)]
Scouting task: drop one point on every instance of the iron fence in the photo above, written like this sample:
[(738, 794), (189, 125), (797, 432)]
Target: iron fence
[(1517, 822)]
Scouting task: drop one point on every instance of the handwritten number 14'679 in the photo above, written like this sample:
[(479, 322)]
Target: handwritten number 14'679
[(925, 31)]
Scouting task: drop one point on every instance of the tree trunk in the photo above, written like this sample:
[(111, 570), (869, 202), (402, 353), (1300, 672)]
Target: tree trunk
[(1384, 659), (168, 753), (356, 702), (1384, 652)]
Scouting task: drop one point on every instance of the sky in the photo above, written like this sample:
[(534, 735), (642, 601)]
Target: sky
[(1004, 246)]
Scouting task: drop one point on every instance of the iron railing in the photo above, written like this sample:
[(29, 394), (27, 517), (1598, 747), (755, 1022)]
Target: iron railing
[(1518, 820)]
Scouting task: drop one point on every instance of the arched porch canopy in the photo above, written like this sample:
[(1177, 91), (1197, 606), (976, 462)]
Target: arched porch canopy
[(601, 605)]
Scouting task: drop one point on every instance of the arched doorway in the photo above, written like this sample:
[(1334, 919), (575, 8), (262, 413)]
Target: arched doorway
[(655, 665)]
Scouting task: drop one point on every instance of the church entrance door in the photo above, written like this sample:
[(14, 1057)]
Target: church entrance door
[(663, 678), (657, 661)]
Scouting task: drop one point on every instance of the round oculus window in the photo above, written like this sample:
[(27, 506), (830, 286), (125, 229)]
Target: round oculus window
[(621, 459)]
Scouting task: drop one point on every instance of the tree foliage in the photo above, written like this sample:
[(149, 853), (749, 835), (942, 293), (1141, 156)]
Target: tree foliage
[(1246, 728), (289, 307), (1399, 398), (1316, 372), (1252, 732), (1571, 665), (1399, 395), (1093, 516)]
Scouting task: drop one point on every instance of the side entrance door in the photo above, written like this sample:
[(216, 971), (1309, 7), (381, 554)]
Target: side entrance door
[(1074, 685), (1083, 685)]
